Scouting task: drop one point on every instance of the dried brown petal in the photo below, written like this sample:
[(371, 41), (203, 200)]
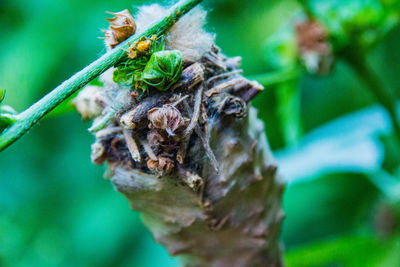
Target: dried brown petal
[(167, 118), (121, 27)]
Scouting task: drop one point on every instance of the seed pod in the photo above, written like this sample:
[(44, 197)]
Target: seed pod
[(121, 27), (163, 69), (167, 118)]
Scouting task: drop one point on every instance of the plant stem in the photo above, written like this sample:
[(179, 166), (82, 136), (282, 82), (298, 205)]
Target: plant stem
[(28, 118), (273, 78), (382, 94)]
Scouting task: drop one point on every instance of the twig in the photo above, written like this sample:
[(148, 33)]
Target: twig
[(273, 78), (100, 125), (193, 122), (28, 118), (223, 76), (196, 113), (132, 146), (148, 150), (177, 102), (204, 140), (372, 81)]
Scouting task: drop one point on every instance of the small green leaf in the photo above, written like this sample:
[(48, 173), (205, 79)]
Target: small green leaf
[(163, 69), (2, 94), (123, 76)]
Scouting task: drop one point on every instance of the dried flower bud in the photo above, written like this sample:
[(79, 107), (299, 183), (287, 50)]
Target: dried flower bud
[(144, 46), (315, 49), (89, 102), (98, 153), (167, 118), (161, 165), (121, 27)]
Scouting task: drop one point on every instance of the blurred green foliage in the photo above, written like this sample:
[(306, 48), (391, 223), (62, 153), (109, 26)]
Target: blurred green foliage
[(55, 208)]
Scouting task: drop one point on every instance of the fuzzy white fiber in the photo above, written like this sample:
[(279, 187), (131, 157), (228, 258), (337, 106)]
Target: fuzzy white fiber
[(187, 35)]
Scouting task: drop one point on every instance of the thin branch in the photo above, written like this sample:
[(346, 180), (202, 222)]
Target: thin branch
[(100, 125), (132, 145), (372, 81), (28, 118), (273, 78)]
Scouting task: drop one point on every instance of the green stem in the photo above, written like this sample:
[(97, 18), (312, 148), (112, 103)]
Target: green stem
[(273, 78), (103, 122), (28, 118), (382, 94)]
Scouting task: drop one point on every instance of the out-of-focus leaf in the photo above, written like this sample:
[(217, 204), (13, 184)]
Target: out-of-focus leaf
[(288, 110), (280, 53), (331, 205), (392, 153), (349, 144), (356, 23), (348, 251), (280, 50)]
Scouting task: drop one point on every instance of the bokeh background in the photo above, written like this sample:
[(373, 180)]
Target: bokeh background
[(56, 209)]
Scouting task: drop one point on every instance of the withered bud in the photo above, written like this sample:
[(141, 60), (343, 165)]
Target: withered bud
[(161, 165), (190, 77), (155, 138), (98, 153), (315, 49), (167, 118), (311, 36), (121, 27), (89, 102)]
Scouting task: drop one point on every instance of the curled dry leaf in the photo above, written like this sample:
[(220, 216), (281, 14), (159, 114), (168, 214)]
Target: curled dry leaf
[(121, 27), (167, 118)]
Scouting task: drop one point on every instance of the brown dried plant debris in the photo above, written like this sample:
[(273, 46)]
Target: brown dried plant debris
[(314, 46), (166, 132), (122, 26)]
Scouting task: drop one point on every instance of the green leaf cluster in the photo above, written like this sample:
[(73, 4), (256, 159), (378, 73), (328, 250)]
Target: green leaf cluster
[(359, 23), (157, 68), (163, 69)]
